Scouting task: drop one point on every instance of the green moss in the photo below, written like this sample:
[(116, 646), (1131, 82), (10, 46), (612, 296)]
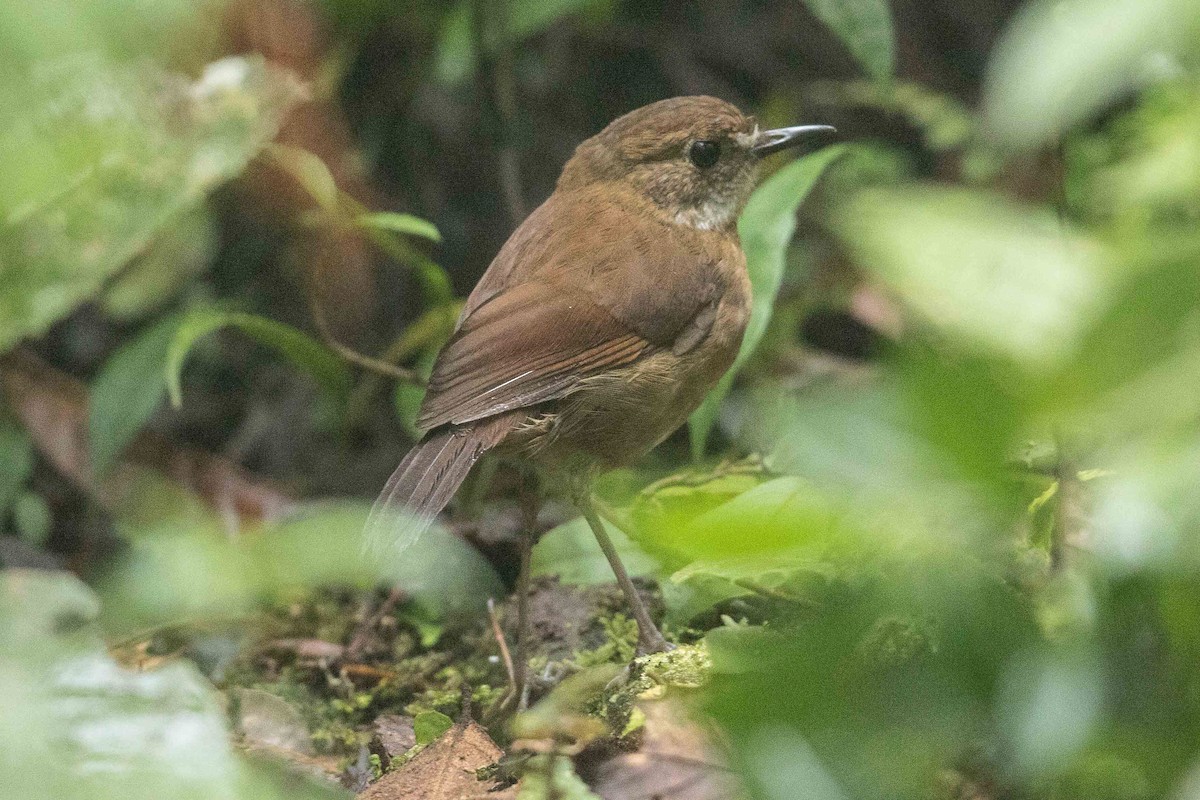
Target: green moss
[(686, 667), (620, 646)]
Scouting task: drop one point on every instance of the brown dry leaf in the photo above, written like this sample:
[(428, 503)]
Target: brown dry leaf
[(53, 407), (445, 770), (678, 760), (308, 649)]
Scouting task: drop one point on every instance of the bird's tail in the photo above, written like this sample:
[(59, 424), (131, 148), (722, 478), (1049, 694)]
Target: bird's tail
[(426, 480)]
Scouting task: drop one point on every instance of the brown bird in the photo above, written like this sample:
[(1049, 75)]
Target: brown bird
[(603, 321)]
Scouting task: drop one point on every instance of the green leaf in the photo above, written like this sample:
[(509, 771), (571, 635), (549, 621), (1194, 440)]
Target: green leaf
[(455, 57), (190, 567), (310, 172), (104, 160), (765, 227), (127, 391), (406, 224), (407, 400), (865, 27), (16, 461), (993, 274), (781, 577), (31, 516), (570, 551), (430, 725), (306, 353), (659, 514), (178, 254), (776, 516), (1062, 61), (110, 732)]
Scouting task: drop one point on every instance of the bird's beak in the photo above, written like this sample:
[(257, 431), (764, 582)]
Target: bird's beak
[(773, 141)]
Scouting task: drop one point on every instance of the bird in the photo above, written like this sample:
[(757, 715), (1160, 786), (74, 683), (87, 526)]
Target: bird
[(602, 322)]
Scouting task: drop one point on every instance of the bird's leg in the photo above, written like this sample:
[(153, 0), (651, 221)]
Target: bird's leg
[(650, 639), (520, 658), (530, 506)]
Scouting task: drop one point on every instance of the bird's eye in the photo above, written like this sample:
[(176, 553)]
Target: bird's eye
[(704, 153)]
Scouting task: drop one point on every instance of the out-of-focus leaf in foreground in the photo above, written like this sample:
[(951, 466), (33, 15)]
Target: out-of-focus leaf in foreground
[(1061, 62), (987, 272), (879, 687), (179, 569), (116, 154), (524, 18), (306, 353), (865, 26), (765, 227), (76, 725)]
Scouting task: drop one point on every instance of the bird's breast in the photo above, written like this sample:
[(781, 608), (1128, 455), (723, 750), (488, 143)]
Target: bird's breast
[(614, 418)]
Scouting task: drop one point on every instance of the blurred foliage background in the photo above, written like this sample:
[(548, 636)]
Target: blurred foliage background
[(937, 536)]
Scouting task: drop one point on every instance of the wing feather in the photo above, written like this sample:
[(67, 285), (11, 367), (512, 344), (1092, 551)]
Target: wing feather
[(529, 344)]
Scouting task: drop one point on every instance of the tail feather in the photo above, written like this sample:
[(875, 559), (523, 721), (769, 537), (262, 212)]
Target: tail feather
[(426, 480)]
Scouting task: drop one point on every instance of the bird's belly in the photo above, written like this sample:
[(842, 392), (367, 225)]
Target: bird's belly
[(612, 419)]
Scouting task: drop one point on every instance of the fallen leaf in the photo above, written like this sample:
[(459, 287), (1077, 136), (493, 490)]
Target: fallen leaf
[(678, 760), (308, 649), (445, 770), (53, 407)]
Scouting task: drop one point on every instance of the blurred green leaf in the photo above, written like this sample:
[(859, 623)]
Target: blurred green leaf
[(783, 513), (885, 689), (305, 353), (1135, 347), (406, 224), (77, 725), (1011, 279), (1062, 61), (1050, 704), (971, 409), (571, 552), (430, 725), (672, 505), (795, 579), (178, 253), (455, 59), (31, 517), (862, 444), (16, 461), (116, 156), (310, 172), (187, 568), (865, 26), (765, 227), (127, 391), (407, 400)]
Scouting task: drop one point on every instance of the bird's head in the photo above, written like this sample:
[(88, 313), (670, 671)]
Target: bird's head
[(694, 157)]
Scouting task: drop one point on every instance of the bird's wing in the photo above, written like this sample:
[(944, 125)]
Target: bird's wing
[(529, 344), (553, 309)]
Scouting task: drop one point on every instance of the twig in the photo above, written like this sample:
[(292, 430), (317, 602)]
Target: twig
[(429, 329), (502, 93), (359, 640), (350, 354), (503, 644)]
